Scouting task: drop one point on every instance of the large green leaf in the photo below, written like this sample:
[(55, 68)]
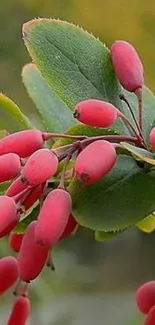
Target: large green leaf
[(74, 63), (55, 115), (11, 118), (122, 198), (78, 66)]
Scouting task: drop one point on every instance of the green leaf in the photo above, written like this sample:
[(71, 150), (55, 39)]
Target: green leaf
[(82, 129), (11, 118), (147, 224), (74, 63), (27, 219), (55, 114), (122, 198), (139, 153), (104, 236)]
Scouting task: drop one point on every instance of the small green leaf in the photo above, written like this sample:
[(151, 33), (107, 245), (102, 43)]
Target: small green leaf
[(55, 115), (147, 224), (27, 219), (104, 236), (122, 198), (74, 63), (11, 118), (140, 153), (82, 129)]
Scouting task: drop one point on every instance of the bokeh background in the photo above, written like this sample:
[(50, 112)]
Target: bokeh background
[(94, 282)]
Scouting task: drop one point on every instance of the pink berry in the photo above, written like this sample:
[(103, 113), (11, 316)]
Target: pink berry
[(15, 241), (94, 162), (34, 195), (127, 65), (53, 217), (152, 139), (32, 257), (16, 187), (71, 225), (150, 319), (41, 166), (8, 215), (8, 273), (20, 311), (95, 112), (145, 297), (23, 143), (10, 166)]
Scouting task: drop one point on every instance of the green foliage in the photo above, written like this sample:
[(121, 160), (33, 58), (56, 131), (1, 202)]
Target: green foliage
[(11, 118), (55, 115)]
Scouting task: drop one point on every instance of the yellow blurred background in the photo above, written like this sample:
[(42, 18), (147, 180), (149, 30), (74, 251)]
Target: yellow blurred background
[(85, 267)]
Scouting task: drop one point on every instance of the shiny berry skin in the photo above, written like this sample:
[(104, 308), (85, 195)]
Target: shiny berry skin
[(20, 311), (8, 215), (96, 113), (8, 273), (127, 65), (32, 257), (53, 217), (23, 143), (40, 166), (150, 319), (152, 139), (10, 166), (70, 227), (16, 187), (94, 162), (145, 296), (15, 241)]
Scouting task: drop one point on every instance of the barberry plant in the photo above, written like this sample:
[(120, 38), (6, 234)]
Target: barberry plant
[(91, 165)]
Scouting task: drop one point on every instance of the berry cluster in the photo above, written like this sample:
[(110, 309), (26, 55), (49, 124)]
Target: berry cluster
[(36, 178)]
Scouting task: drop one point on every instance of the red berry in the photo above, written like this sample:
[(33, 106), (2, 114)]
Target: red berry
[(23, 143), (16, 187), (34, 195), (10, 166), (32, 257), (152, 139), (8, 215), (127, 65), (145, 297), (53, 217), (8, 273), (95, 112), (41, 166), (95, 161), (150, 319), (71, 225), (20, 311), (15, 241)]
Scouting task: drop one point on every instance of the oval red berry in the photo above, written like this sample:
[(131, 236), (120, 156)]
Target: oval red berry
[(41, 166), (8, 215), (53, 217), (145, 296), (8, 273), (32, 257), (94, 162), (127, 65), (15, 241), (16, 187), (10, 166), (150, 319), (23, 143), (20, 311), (96, 113)]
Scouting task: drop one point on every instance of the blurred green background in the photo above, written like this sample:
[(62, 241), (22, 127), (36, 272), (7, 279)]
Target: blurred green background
[(93, 282)]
